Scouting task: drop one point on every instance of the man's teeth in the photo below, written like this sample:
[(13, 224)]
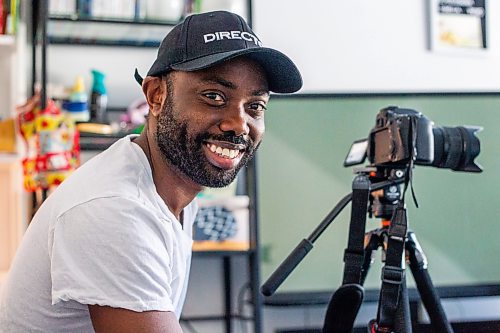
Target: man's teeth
[(224, 152)]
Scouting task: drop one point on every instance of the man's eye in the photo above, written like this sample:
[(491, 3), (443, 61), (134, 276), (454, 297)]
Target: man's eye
[(258, 107), (215, 96)]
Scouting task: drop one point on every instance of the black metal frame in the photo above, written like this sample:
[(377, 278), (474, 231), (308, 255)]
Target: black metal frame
[(322, 298), (371, 95), (229, 315), (39, 13)]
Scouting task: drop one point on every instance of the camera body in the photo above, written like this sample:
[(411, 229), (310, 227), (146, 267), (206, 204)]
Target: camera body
[(398, 135), (401, 136)]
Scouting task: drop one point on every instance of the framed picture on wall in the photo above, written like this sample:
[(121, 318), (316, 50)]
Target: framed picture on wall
[(458, 26)]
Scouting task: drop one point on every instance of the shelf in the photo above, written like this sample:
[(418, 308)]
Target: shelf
[(212, 317), (107, 32), (226, 246), (7, 41), (77, 19), (88, 41), (3, 276), (8, 158), (221, 253), (97, 142)]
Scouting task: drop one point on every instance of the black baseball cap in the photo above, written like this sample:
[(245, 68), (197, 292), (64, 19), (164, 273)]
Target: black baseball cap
[(207, 39)]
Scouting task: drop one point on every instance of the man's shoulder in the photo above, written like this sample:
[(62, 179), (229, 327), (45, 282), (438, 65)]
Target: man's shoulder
[(115, 172)]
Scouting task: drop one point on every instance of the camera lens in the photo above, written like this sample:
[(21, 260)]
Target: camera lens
[(456, 148)]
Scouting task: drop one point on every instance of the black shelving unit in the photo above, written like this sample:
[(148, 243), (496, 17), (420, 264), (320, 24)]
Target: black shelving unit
[(229, 314), (40, 38)]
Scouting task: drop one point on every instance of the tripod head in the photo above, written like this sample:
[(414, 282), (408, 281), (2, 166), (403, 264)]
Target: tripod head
[(383, 201)]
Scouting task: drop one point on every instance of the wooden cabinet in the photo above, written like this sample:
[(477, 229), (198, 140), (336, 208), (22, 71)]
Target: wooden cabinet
[(12, 223)]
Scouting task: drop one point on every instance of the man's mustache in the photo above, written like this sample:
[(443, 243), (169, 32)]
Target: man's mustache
[(230, 138)]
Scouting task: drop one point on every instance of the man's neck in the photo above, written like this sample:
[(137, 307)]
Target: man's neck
[(176, 190)]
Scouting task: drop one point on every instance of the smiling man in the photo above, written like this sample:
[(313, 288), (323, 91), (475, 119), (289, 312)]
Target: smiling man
[(110, 249)]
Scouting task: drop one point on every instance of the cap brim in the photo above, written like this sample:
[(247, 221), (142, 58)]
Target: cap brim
[(282, 74), (138, 77)]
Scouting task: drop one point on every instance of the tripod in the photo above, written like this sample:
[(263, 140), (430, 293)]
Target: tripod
[(399, 246), (418, 265)]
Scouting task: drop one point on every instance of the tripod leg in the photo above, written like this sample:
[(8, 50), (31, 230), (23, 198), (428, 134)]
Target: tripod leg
[(402, 318), (427, 291), (402, 322), (373, 241)]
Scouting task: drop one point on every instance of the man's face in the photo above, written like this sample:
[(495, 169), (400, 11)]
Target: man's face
[(213, 120)]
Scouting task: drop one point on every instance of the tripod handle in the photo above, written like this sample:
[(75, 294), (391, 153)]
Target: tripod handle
[(303, 248), (286, 267)]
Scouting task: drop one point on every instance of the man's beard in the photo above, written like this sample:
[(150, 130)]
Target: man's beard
[(185, 152)]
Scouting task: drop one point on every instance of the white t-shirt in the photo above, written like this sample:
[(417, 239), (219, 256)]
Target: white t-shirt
[(103, 237)]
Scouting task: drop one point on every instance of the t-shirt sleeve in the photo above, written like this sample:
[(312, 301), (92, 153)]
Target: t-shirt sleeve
[(111, 252)]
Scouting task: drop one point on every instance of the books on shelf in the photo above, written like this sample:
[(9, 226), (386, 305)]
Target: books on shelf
[(9, 16), (62, 7), (170, 11), (162, 10)]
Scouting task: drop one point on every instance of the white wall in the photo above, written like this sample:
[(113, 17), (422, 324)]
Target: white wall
[(373, 46)]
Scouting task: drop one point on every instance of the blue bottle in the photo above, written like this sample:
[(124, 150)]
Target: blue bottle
[(98, 99)]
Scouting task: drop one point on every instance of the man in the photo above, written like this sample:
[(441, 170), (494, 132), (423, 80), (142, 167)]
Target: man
[(110, 249)]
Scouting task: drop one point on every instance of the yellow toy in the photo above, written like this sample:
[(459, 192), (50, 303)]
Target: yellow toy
[(52, 145)]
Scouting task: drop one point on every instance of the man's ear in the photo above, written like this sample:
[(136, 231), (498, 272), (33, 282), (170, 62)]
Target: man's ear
[(155, 91)]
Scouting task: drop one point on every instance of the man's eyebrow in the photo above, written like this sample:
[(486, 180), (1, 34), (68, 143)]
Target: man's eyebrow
[(228, 84), (219, 80)]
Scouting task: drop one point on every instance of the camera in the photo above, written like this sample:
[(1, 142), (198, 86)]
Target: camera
[(401, 136)]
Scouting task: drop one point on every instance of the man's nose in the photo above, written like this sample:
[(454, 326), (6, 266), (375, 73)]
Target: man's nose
[(235, 120)]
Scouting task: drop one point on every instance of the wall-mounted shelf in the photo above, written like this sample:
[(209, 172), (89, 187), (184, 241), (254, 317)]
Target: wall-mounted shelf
[(76, 18), (7, 41), (107, 31)]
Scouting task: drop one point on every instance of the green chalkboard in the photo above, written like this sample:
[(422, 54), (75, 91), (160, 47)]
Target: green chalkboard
[(301, 178)]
